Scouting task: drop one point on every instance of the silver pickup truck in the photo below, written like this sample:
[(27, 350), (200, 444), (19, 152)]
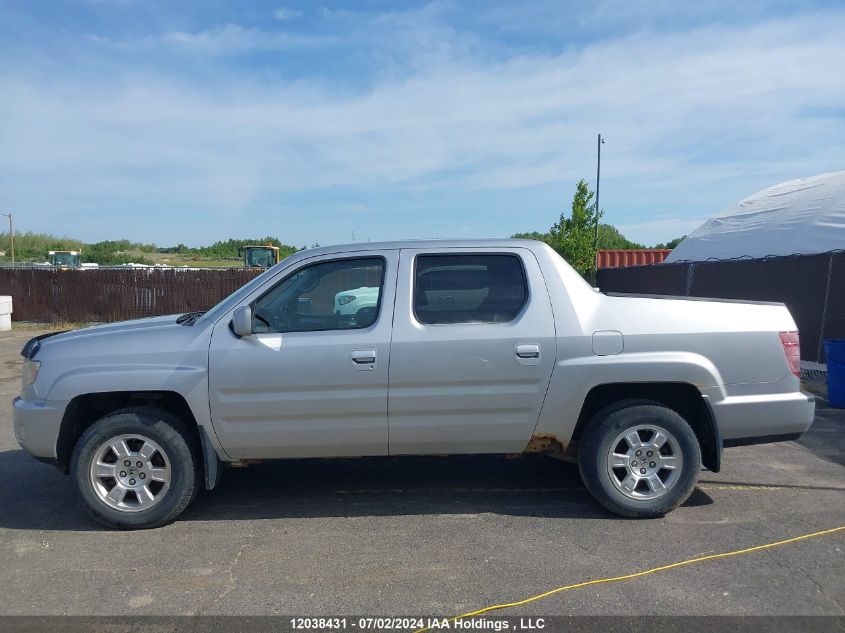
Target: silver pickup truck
[(494, 346)]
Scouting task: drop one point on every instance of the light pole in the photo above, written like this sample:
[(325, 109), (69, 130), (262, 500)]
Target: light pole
[(599, 142), (11, 236)]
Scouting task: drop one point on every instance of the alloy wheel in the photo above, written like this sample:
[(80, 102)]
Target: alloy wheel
[(644, 462), (130, 473)]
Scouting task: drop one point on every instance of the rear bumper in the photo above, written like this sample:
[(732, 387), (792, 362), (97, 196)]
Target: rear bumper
[(757, 419), (37, 426)]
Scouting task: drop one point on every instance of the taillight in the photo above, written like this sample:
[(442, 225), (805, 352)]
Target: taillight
[(789, 340)]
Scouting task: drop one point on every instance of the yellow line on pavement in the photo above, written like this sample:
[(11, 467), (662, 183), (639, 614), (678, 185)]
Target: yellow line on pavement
[(653, 570)]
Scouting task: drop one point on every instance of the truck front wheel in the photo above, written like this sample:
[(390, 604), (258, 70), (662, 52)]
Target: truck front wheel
[(136, 468), (640, 460)]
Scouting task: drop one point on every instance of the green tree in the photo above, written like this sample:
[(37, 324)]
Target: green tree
[(113, 252), (610, 237), (230, 248), (533, 235), (33, 247), (672, 243), (574, 237)]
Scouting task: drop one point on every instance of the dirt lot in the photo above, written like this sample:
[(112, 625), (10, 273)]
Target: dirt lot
[(437, 536)]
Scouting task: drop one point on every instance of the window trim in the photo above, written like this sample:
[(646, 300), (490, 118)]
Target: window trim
[(317, 263), (511, 254)]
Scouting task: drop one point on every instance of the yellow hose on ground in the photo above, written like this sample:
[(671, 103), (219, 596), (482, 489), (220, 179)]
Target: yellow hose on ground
[(653, 570)]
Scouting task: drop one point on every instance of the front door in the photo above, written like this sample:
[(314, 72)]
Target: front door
[(473, 351), (311, 381)]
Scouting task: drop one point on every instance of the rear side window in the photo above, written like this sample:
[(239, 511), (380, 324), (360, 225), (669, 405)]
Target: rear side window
[(468, 288)]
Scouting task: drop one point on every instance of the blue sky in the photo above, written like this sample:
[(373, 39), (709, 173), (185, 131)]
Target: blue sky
[(196, 121)]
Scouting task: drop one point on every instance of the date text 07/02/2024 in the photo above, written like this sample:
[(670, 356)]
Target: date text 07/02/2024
[(415, 624)]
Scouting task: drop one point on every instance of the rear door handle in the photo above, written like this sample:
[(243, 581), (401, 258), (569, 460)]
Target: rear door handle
[(527, 351), (363, 358)]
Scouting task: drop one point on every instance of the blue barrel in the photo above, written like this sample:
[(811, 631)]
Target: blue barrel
[(835, 353)]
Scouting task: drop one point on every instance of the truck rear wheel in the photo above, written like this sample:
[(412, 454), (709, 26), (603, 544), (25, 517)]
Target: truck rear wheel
[(640, 460), (136, 468)]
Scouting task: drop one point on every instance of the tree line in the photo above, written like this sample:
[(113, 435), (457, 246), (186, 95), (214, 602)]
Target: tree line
[(231, 248), (34, 247), (573, 236)]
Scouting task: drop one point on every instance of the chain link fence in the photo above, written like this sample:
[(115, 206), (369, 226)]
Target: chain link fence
[(105, 295), (811, 286)]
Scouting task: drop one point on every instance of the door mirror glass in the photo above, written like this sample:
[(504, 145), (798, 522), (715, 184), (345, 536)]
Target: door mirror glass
[(242, 321)]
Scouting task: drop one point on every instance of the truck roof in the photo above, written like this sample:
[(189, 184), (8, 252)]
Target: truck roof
[(444, 243)]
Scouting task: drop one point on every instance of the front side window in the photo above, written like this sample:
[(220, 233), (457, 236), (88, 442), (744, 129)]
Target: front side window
[(342, 294), (468, 288)]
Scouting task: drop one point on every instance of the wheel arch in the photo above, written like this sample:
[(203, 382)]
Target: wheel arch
[(683, 398), (85, 409)]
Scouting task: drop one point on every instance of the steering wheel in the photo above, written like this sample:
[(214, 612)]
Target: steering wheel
[(282, 321)]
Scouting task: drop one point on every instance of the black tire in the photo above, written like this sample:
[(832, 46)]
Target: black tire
[(171, 434), (595, 445)]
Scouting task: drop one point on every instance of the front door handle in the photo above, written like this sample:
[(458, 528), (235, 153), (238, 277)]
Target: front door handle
[(363, 358), (527, 351)]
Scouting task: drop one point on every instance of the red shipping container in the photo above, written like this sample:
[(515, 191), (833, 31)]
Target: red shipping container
[(621, 258)]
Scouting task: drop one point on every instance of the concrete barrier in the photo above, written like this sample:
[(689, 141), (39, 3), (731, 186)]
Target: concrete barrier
[(5, 313)]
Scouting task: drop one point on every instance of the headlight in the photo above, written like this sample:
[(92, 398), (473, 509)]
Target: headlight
[(29, 372), (346, 299)]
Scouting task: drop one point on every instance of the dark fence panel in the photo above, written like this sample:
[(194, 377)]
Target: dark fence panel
[(799, 282), (811, 286), (661, 279), (55, 296), (834, 323)]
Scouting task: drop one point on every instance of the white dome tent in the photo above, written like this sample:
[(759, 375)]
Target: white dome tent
[(803, 216)]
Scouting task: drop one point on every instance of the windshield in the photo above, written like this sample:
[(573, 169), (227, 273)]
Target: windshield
[(64, 259), (259, 257)]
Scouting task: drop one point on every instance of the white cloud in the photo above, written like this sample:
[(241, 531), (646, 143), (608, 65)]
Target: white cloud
[(229, 39), (683, 113), (283, 14)]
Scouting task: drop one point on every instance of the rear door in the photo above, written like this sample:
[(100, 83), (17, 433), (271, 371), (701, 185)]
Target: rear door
[(472, 353)]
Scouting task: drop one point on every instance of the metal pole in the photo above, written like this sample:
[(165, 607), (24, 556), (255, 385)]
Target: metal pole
[(599, 141), (11, 236)]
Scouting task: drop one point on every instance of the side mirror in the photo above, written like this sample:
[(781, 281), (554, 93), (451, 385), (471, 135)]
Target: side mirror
[(242, 321)]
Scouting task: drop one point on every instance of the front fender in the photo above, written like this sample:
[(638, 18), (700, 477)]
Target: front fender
[(78, 381), (190, 382)]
